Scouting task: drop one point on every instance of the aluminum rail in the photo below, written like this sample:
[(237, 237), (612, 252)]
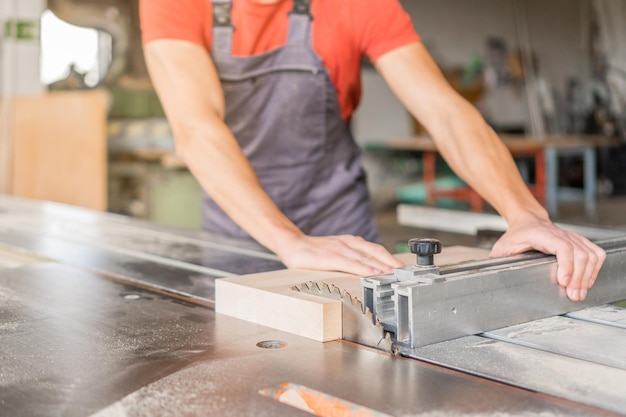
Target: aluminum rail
[(473, 297)]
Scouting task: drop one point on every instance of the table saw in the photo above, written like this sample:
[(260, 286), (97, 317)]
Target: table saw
[(102, 315)]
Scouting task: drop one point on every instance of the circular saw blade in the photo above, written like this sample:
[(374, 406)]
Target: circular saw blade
[(358, 323)]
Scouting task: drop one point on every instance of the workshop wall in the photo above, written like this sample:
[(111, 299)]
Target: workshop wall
[(455, 33)]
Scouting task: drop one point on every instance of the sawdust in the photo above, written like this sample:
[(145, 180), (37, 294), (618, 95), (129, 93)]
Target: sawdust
[(610, 313), (220, 388), (197, 390), (549, 325), (8, 327), (10, 320)]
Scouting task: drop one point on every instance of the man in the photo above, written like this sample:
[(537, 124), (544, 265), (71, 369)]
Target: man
[(259, 94)]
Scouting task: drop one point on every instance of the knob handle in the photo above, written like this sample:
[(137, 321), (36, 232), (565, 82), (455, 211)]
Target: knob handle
[(425, 249)]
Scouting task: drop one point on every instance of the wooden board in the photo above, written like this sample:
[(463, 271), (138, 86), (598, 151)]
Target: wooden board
[(59, 147), (266, 298)]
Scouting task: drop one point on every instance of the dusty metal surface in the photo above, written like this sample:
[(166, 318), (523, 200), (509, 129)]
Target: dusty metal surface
[(76, 344), (608, 314), (73, 342), (570, 337), (539, 370), (580, 357)]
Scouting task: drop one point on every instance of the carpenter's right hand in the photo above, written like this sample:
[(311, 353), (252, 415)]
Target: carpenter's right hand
[(579, 260)]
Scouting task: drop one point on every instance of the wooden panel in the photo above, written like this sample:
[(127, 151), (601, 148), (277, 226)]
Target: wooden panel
[(59, 150), (5, 147), (267, 299)]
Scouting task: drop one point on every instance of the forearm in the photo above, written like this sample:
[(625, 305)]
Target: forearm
[(189, 88), (216, 160), (492, 172), (468, 144)]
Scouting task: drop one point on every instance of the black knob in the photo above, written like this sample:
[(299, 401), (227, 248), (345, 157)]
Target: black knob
[(425, 249)]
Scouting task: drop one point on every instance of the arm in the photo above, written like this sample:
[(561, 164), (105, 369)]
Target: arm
[(187, 84), (477, 155)]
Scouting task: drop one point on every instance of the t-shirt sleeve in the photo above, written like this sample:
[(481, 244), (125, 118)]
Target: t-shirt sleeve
[(384, 25), (172, 19)]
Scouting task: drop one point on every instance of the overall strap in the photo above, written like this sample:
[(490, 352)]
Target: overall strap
[(300, 22), (222, 27)]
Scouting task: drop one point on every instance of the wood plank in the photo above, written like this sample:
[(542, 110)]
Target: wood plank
[(59, 149), (463, 222), (267, 299)]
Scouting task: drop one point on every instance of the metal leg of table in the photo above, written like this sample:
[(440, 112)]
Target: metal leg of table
[(590, 182), (552, 169), (524, 171)]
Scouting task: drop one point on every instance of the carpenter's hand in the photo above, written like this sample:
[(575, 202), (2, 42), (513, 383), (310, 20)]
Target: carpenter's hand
[(343, 253), (578, 259)]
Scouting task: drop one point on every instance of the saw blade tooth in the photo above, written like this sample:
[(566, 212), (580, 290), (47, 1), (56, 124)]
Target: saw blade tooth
[(386, 344), (296, 288), (326, 288), (358, 304), (369, 314), (311, 287), (335, 290)]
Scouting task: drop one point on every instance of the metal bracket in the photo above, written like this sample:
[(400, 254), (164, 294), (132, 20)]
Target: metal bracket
[(301, 7), (221, 14)]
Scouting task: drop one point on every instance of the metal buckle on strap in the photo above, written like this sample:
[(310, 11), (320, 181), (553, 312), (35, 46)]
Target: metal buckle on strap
[(221, 14), (301, 7)]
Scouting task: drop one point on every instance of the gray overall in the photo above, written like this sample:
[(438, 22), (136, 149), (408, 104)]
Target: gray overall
[(283, 109)]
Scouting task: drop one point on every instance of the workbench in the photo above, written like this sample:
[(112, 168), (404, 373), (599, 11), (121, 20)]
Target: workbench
[(545, 151), (102, 315)]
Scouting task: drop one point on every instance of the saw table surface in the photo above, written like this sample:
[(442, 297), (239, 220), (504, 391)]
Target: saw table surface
[(102, 315)]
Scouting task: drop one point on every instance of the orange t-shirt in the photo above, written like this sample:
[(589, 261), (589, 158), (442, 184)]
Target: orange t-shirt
[(343, 31)]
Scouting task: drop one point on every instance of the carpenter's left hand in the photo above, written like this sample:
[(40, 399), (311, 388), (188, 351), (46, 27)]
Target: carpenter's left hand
[(578, 259)]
